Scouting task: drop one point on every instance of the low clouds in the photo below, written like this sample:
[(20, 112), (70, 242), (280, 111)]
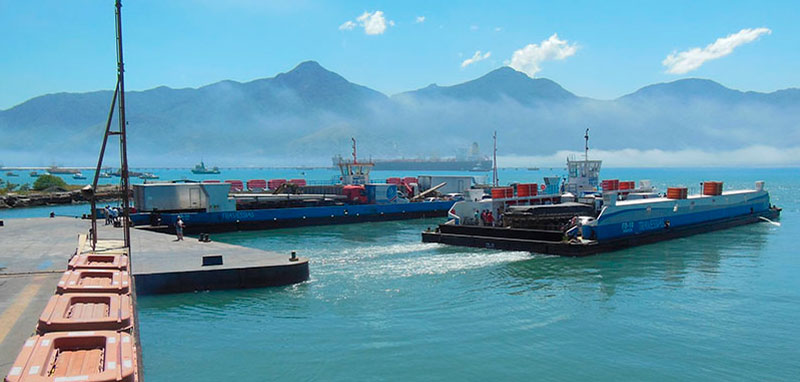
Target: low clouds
[(686, 61), (420, 19), (475, 58), (529, 58), (374, 23)]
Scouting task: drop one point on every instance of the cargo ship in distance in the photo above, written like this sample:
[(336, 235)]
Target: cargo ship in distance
[(473, 161), (588, 216)]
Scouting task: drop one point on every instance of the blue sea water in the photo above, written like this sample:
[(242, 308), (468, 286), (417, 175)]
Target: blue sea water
[(381, 305)]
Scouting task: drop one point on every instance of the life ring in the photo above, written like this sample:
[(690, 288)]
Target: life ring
[(544, 187)]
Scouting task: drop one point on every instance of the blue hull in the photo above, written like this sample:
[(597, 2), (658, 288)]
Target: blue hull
[(292, 217), (658, 216)]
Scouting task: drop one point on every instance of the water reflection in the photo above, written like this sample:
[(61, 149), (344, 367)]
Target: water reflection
[(671, 263)]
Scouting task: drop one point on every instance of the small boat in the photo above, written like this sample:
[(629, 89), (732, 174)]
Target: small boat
[(78, 176), (103, 174), (202, 169), (148, 175), (11, 174), (34, 174)]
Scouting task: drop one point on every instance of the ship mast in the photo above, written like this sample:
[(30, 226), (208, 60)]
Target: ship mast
[(495, 180), (355, 159), (586, 146)]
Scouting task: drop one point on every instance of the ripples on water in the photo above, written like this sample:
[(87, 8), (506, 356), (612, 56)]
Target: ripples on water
[(381, 305)]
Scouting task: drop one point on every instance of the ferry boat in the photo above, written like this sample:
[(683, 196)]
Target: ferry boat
[(589, 216), (202, 169), (212, 206)]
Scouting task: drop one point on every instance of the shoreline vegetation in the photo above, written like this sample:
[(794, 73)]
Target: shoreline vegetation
[(70, 194)]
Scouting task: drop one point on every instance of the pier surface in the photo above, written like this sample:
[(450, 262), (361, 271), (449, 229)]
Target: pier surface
[(34, 254)]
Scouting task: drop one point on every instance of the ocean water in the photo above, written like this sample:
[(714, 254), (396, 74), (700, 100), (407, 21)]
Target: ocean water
[(381, 305)]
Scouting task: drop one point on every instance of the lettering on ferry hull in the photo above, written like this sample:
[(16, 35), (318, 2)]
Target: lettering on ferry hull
[(649, 225), (238, 215)]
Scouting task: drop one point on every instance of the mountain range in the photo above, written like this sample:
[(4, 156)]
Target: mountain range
[(308, 114)]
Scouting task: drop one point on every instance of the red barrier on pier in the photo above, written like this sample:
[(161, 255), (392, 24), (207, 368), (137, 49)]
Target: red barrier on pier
[(257, 184), (236, 185), (275, 183)]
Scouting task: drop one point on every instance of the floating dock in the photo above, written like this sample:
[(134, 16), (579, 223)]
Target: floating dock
[(34, 253)]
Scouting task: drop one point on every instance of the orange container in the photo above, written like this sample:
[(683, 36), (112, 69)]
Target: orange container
[(610, 184), (534, 187), (499, 192), (523, 189), (677, 192), (298, 182), (86, 311), (410, 179), (394, 180), (627, 185), (94, 281), (98, 261), (97, 356), (712, 188)]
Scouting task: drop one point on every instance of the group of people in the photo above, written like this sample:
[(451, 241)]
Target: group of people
[(487, 218), (113, 215)]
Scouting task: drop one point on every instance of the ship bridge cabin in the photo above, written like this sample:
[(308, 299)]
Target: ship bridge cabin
[(583, 176)]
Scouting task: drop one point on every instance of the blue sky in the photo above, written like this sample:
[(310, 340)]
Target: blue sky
[(616, 47)]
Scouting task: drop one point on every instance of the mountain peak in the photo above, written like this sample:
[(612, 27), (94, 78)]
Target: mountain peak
[(687, 87), (503, 82)]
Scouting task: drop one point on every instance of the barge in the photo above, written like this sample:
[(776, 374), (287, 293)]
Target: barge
[(588, 217), (213, 206)]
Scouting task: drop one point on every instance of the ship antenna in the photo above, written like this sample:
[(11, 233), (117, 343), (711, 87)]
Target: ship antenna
[(494, 161), (586, 147), (355, 159)]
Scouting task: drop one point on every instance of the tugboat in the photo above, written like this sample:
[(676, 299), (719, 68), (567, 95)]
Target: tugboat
[(588, 217), (201, 169)]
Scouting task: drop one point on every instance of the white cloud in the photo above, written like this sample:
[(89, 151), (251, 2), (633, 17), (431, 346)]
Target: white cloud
[(686, 61), (475, 58), (348, 25), (498, 29), (373, 23), (420, 19), (473, 27), (527, 59)]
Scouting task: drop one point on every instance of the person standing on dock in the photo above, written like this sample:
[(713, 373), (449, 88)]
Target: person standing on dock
[(179, 228)]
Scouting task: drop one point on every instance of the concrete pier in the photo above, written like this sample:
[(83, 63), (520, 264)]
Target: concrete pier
[(34, 254)]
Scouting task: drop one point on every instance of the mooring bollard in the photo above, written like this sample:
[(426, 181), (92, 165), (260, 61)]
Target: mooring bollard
[(294, 256)]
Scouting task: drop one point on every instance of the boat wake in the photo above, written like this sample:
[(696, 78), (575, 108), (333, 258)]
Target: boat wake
[(770, 221)]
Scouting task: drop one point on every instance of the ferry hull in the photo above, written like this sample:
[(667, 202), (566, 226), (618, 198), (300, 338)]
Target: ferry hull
[(542, 242), (207, 222)]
